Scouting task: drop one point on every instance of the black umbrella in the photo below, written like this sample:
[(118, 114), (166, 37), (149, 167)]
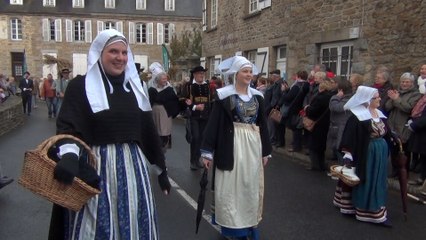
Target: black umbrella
[(401, 161), (201, 199)]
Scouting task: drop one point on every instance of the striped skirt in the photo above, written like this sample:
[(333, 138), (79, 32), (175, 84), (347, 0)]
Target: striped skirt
[(125, 208)]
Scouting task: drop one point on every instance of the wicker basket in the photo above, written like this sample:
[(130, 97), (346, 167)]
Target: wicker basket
[(37, 176), (342, 177)]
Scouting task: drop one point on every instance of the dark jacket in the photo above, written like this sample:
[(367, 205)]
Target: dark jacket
[(23, 84), (167, 98), (416, 143), (293, 99), (319, 111), (220, 132)]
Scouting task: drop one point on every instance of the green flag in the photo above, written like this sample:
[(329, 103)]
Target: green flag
[(165, 54)]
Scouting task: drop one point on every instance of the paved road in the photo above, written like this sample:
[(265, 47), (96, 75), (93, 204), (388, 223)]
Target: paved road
[(297, 202)]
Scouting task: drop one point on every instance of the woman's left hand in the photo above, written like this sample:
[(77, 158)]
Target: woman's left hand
[(265, 160)]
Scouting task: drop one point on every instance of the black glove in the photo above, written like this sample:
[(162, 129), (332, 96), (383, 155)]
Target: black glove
[(67, 168), (163, 180)]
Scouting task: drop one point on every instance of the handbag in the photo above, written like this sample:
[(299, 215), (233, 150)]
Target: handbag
[(308, 123), (275, 115)]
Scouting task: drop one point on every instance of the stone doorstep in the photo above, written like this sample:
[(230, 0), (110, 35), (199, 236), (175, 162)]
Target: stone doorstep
[(302, 158)]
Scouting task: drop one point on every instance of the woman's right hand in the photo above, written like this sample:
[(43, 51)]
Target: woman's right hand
[(206, 163)]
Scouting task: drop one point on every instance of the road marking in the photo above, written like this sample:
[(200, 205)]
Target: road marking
[(193, 203)]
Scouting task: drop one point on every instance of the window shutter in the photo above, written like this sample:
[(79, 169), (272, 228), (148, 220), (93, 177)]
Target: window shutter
[(58, 30), (100, 26), (88, 30), (132, 34), (119, 25), (171, 31), (150, 31), (68, 30), (160, 33), (45, 29)]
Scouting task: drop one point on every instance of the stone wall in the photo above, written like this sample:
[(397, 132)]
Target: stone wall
[(11, 115), (390, 32)]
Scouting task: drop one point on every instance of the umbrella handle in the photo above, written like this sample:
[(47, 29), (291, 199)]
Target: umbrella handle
[(416, 198)]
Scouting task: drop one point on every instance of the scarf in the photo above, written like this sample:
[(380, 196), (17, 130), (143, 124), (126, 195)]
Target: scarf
[(419, 107)]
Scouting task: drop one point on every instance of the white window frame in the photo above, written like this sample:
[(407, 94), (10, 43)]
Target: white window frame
[(140, 4), (253, 6), (339, 59), (79, 63), (16, 29), (49, 3), (251, 56), (16, 2), (100, 25), (140, 26), (79, 30), (109, 3), (213, 18), (169, 5), (204, 15), (78, 3), (47, 23)]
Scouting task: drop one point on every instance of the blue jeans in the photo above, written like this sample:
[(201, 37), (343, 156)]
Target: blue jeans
[(51, 105)]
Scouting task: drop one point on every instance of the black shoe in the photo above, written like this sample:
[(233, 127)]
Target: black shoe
[(5, 181), (386, 224)]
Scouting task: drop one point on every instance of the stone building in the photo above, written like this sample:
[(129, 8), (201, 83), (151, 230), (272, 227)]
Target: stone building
[(65, 29), (290, 35)]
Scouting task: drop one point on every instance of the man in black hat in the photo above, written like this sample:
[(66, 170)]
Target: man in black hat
[(26, 85), (198, 100)]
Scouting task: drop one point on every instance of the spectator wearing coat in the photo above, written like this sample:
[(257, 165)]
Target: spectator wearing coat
[(421, 80), (383, 84), (338, 116), (318, 111), (399, 106)]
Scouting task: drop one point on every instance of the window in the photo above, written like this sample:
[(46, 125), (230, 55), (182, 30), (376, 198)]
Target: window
[(78, 3), (254, 6), (169, 5), (169, 30), (338, 57), (16, 2), (141, 33), (214, 14), (49, 3), (79, 30), (109, 3), (150, 28), (204, 15), (16, 29), (251, 56), (52, 29), (140, 4), (110, 25), (282, 60)]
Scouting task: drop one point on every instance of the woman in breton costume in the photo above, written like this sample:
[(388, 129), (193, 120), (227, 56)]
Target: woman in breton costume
[(366, 155), (165, 106), (108, 110), (238, 152)]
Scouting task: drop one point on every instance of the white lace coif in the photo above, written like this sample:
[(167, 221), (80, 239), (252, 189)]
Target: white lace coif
[(95, 89)]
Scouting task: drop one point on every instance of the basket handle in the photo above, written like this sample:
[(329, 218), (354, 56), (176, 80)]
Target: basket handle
[(46, 144)]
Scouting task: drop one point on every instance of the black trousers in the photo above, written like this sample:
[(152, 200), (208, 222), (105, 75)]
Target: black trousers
[(197, 130), (26, 102)]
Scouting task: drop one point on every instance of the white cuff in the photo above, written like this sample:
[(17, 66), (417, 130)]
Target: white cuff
[(348, 155), (193, 107), (69, 148)]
